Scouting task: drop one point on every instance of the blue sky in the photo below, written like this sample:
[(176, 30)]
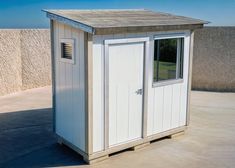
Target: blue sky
[(28, 14)]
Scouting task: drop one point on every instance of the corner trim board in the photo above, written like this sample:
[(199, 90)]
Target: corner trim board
[(53, 74), (189, 77), (88, 41)]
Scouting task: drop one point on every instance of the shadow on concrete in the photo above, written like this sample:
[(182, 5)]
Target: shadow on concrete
[(27, 140)]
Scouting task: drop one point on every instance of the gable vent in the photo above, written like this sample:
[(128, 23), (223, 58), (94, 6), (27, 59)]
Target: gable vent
[(66, 50)]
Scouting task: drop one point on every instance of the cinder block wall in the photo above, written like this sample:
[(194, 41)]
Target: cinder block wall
[(214, 59), (36, 58), (24, 59), (10, 61)]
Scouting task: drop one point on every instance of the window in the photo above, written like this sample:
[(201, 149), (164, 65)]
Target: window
[(67, 50), (168, 59)]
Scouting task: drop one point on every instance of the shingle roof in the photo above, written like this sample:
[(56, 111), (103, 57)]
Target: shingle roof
[(103, 19)]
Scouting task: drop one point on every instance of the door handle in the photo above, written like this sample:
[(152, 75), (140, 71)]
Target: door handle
[(139, 91)]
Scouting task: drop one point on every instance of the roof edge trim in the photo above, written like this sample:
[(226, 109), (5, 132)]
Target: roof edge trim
[(70, 22)]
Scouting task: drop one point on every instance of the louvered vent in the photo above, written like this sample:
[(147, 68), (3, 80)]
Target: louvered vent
[(66, 50)]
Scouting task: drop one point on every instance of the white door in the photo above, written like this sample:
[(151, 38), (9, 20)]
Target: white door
[(125, 87)]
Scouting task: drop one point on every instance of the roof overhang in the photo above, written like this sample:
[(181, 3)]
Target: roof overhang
[(141, 29), (70, 22), (116, 30)]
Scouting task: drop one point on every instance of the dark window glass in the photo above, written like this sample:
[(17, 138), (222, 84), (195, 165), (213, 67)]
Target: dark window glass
[(66, 50), (168, 59)]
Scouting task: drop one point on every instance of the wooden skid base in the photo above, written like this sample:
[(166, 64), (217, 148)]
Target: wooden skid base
[(141, 146), (93, 161), (136, 145), (176, 135)]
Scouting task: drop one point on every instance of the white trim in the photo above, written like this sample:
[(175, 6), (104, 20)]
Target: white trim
[(167, 82), (126, 40), (169, 36), (72, 42)]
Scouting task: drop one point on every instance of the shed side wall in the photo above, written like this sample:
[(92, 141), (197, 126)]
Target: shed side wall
[(70, 88), (166, 108)]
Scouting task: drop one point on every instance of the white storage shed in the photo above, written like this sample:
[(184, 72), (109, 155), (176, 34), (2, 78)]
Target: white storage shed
[(121, 78)]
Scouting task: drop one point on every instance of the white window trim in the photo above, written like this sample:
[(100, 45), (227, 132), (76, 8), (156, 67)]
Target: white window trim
[(170, 81), (72, 42)]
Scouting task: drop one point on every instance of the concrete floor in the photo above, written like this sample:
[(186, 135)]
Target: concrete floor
[(26, 138)]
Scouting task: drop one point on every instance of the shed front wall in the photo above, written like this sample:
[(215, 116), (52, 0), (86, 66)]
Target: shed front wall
[(69, 87), (166, 105)]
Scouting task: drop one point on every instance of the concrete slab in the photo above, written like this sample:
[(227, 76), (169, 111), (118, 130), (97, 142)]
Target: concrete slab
[(38, 98), (26, 138)]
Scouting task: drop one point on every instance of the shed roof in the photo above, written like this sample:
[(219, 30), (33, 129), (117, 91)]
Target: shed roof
[(101, 21)]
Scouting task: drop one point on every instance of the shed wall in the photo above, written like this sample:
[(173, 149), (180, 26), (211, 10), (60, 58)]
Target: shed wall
[(70, 88), (167, 105), (166, 108)]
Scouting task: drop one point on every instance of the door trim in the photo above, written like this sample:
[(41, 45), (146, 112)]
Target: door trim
[(145, 40)]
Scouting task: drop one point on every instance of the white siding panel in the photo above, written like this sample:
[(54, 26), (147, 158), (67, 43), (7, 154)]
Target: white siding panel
[(158, 106), (176, 98), (122, 114), (150, 118), (125, 78), (167, 107), (113, 116), (62, 127), (135, 119), (76, 75), (183, 103), (78, 92), (59, 100), (167, 104), (98, 91), (70, 92)]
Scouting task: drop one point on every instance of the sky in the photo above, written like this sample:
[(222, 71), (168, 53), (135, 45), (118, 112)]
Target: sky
[(28, 14)]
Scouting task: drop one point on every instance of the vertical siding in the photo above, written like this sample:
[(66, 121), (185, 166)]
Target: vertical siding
[(98, 87), (166, 106), (176, 103), (158, 106), (98, 92), (125, 107), (70, 89)]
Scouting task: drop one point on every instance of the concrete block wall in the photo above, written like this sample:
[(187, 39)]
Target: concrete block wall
[(10, 61), (36, 58), (24, 59), (214, 59)]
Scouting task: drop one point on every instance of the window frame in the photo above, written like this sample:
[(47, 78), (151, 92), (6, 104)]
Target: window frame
[(178, 79), (70, 41)]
